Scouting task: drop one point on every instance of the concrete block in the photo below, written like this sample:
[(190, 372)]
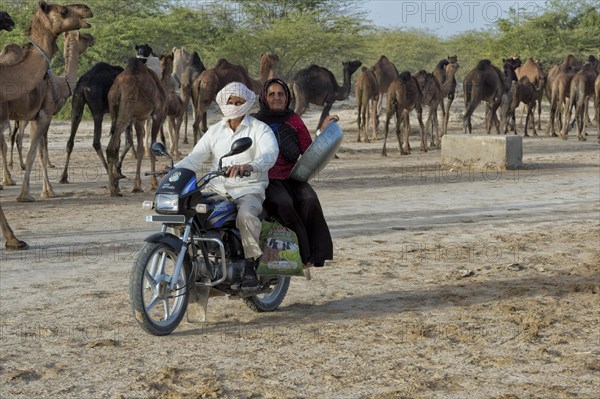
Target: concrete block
[(504, 152)]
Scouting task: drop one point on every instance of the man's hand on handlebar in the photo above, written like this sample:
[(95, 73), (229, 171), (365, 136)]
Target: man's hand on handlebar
[(239, 170)]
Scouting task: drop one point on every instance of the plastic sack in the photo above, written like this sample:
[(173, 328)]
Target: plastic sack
[(281, 252)]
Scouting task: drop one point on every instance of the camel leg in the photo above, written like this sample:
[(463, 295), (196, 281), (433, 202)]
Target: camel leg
[(35, 140), (128, 145), (324, 114), (581, 117), (140, 136), (47, 191), (401, 127), (12, 137), (446, 114), (387, 126), (470, 107), (374, 118), (112, 153), (6, 179), (153, 181), (11, 241), (422, 128)]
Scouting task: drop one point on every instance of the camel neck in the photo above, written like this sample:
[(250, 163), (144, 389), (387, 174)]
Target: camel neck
[(71, 55), (46, 57)]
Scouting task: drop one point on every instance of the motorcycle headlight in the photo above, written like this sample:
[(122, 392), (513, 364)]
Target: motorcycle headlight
[(166, 202)]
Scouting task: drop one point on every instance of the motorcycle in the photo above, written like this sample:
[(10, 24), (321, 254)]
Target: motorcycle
[(196, 255)]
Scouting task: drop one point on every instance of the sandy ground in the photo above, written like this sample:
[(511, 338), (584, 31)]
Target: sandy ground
[(445, 284)]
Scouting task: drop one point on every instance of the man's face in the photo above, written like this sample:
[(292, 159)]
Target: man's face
[(235, 100), (276, 97)]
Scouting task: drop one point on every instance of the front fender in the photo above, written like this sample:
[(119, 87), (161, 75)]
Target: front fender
[(165, 238)]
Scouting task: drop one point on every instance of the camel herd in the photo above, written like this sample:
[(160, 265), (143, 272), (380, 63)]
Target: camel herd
[(154, 90), (569, 87)]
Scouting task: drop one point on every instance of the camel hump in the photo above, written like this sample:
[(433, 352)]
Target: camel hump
[(135, 64), (405, 76), (483, 64), (222, 62)]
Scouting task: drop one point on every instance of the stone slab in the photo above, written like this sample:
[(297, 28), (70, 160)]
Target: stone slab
[(501, 152)]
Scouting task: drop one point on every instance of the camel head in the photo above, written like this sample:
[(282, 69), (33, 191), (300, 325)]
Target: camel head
[(453, 59), (351, 66), (143, 51), (81, 41), (6, 22), (166, 63), (57, 19)]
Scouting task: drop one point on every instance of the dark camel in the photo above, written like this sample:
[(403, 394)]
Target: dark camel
[(208, 83), (385, 72), (524, 92), (12, 242), (581, 90), (445, 72), (91, 90), (534, 72), (174, 106), (432, 97), (317, 85), (25, 73), (188, 76), (135, 97), (54, 92), (403, 96), (367, 96), (483, 83)]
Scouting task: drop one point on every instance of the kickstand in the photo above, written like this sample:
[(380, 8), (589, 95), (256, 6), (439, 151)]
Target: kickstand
[(198, 303)]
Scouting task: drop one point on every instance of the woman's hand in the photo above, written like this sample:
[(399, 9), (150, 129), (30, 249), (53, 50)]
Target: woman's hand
[(328, 120)]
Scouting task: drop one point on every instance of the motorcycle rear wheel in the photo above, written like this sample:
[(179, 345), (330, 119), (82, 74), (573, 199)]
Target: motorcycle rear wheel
[(271, 301), (156, 307)]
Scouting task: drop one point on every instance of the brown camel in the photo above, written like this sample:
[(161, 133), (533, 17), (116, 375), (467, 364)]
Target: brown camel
[(135, 97), (223, 73), (534, 72), (483, 83), (597, 104), (54, 92), (404, 95), (445, 72), (385, 72), (188, 76), (524, 92), (317, 85), (24, 75), (432, 97), (12, 242), (174, 106), (60, 89), (581, 90), (269, 64), (556, 92), (367, 96)]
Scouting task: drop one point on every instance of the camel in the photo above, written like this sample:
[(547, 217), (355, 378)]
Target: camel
[(53, 92), (581, 90), (145, 53), (224, 72), (385, 72), (534, 72), (367, 96), (182, 59), (524, 92), (597, 104), (135, 96), (23, 75), (317, 85), (6, 22), (404, 95), (91, 89), (432, 97), (556, 92), (12, 242), (60, 90), (174, 106), (188, 76), (49, 21), (445, 72), (268, 69), (483, 83)]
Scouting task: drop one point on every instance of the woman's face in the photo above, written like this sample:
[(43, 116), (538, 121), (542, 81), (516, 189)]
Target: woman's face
[(276, 97)]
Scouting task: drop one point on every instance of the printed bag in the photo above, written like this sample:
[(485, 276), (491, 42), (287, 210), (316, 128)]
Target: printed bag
[(281, 252), (289, 144)]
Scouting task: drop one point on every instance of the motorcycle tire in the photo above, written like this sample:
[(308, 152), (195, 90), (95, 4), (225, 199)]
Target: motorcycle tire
[(157, 308), (271, 301)]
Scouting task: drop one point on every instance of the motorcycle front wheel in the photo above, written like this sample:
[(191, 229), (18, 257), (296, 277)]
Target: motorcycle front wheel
[(271, 301), (158, 308)]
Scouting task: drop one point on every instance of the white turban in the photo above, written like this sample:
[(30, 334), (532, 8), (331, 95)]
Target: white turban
[(239, 90)]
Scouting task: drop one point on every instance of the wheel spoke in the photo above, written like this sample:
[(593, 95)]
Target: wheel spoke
[(152, 303), (166, 307)]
